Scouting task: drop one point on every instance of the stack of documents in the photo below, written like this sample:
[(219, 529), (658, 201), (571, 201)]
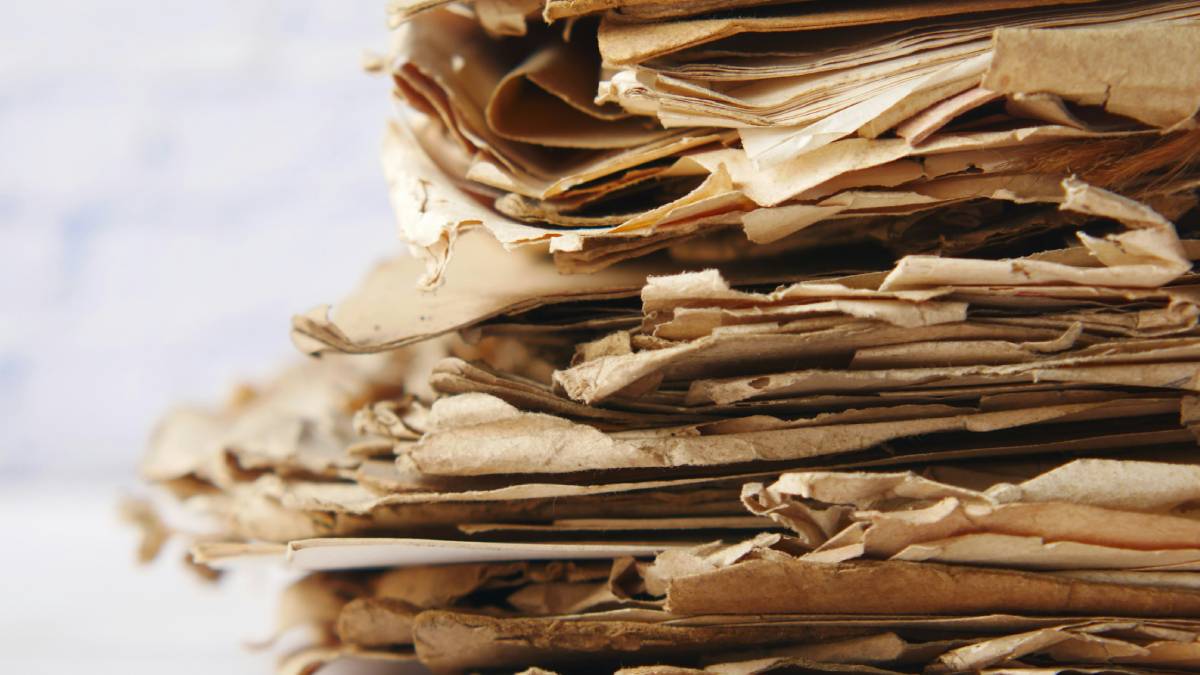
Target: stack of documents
[(917, 127), (745, 337)]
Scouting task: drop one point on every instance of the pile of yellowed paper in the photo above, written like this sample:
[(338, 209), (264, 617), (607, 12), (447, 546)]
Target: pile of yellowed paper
[(743, 337)]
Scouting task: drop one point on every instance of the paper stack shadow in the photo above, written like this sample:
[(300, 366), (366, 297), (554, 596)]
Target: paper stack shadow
[(745, 337)]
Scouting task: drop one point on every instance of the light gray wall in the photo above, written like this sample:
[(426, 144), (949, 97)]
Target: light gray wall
[(176, 179)]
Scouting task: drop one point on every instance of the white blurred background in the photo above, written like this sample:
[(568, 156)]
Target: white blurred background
[(176, 179)]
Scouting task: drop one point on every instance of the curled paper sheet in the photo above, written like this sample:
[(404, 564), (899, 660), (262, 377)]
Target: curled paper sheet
[(1087, 514)]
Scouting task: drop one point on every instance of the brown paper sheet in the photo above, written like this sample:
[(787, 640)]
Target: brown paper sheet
[(351, 553), (790, 585), (447, 640), (629, 42), (506, 440), (1093, 67), (1072, 517)]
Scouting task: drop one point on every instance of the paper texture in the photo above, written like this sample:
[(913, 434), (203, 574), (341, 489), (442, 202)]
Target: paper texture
[(740, 337)]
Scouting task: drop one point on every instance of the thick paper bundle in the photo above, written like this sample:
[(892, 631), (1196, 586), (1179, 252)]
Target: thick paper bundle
[(920, 127), (556, 437), (967, 358), (869, 342), (570, 614)]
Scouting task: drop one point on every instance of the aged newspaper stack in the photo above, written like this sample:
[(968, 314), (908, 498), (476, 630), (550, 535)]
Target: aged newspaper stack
[(745, 336)]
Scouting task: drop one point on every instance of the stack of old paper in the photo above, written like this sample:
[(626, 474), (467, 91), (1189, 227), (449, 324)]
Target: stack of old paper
[(622, 128), (809, 336)]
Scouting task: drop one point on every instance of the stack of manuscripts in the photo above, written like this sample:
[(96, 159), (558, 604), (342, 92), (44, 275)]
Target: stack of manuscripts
[(745, 337)]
